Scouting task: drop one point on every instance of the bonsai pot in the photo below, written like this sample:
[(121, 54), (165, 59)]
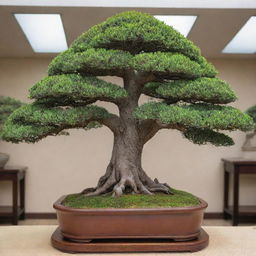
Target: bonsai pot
[(177, 223), (3, 160)]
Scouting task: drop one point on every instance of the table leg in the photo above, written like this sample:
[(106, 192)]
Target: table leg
[(236, 199), (15, 201), (22, 198), (226, 194)]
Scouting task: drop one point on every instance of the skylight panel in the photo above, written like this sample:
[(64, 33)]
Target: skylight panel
[(44, 32), (245, 40), (182, 23)]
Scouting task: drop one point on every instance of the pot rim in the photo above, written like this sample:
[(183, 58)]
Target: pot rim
[(60, 207)]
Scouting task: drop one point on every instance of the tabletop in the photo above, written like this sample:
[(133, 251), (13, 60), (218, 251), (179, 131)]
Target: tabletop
[(13, 169), (239, 160)]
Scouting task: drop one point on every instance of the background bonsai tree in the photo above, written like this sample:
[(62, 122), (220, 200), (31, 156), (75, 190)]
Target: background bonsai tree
[(252, 113), (248, 144), (7, 106), (153, 59)]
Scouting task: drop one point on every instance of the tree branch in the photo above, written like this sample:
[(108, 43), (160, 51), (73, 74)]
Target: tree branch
[(149, 128), (113, 123)]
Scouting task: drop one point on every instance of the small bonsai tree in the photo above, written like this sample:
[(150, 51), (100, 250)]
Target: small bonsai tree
[(247, 146), (7, 106), (153, 59), (252, 113)]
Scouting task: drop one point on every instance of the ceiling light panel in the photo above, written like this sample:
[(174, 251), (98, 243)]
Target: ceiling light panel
[(182, 23), (44, 32), (245, 40)]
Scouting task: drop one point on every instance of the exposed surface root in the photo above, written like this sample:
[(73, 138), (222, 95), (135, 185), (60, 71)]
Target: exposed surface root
[(128, 182), (160, 187), (103, 189)]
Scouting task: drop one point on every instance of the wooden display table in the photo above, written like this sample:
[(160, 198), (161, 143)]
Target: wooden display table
[(17, 176), (35, 240), (236, 167)]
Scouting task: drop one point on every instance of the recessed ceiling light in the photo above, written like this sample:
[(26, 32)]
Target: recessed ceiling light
[(245, 40), (182, 23), (44, 32)]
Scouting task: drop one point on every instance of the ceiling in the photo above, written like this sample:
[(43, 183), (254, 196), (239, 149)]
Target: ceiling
[(213, 29)]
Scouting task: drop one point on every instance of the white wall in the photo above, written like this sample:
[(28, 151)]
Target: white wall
[(67, 164)]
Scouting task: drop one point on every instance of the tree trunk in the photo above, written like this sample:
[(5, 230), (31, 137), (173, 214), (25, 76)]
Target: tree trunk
[(124, 173)]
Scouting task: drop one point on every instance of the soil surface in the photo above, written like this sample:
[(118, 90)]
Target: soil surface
[(177, 199)]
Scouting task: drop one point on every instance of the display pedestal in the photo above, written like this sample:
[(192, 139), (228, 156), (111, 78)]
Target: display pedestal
[(129, 245)]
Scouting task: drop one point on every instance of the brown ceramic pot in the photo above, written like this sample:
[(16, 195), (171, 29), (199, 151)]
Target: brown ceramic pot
[(87, 224)]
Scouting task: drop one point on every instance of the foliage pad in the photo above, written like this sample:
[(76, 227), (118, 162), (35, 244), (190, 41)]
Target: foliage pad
[(74, 89), (33, 122), (211, 90), (135, 32), (198, 121)]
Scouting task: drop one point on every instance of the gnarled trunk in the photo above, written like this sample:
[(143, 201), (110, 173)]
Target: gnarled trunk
[(124, 173)]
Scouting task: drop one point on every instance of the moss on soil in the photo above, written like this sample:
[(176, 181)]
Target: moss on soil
[(178, 199)]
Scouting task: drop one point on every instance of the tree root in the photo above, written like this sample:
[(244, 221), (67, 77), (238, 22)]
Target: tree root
[(99, 190), (127, 184), (160, 187)]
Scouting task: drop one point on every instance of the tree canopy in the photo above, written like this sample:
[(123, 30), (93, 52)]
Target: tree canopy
[(160, 62)]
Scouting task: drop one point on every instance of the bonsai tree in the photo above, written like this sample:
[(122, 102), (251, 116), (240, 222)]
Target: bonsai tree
[(247, 146), (153, 59), (7, 106), (252, 112)]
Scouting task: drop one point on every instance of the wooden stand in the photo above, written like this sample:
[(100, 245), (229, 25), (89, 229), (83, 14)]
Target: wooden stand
[(129, 245), (17, 176), (237, 167)]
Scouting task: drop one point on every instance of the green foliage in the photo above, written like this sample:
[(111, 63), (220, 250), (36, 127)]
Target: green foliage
[(203, 136), (196, 115), (136, 32), (7, 106), (4, 101), (212, 90), (178, 199), (168, 65), (252, 112), (33, 122), (18, 132), (115, 62), (107, 48), (74, 89), (5, 111), (41, 115), (97, 62)]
